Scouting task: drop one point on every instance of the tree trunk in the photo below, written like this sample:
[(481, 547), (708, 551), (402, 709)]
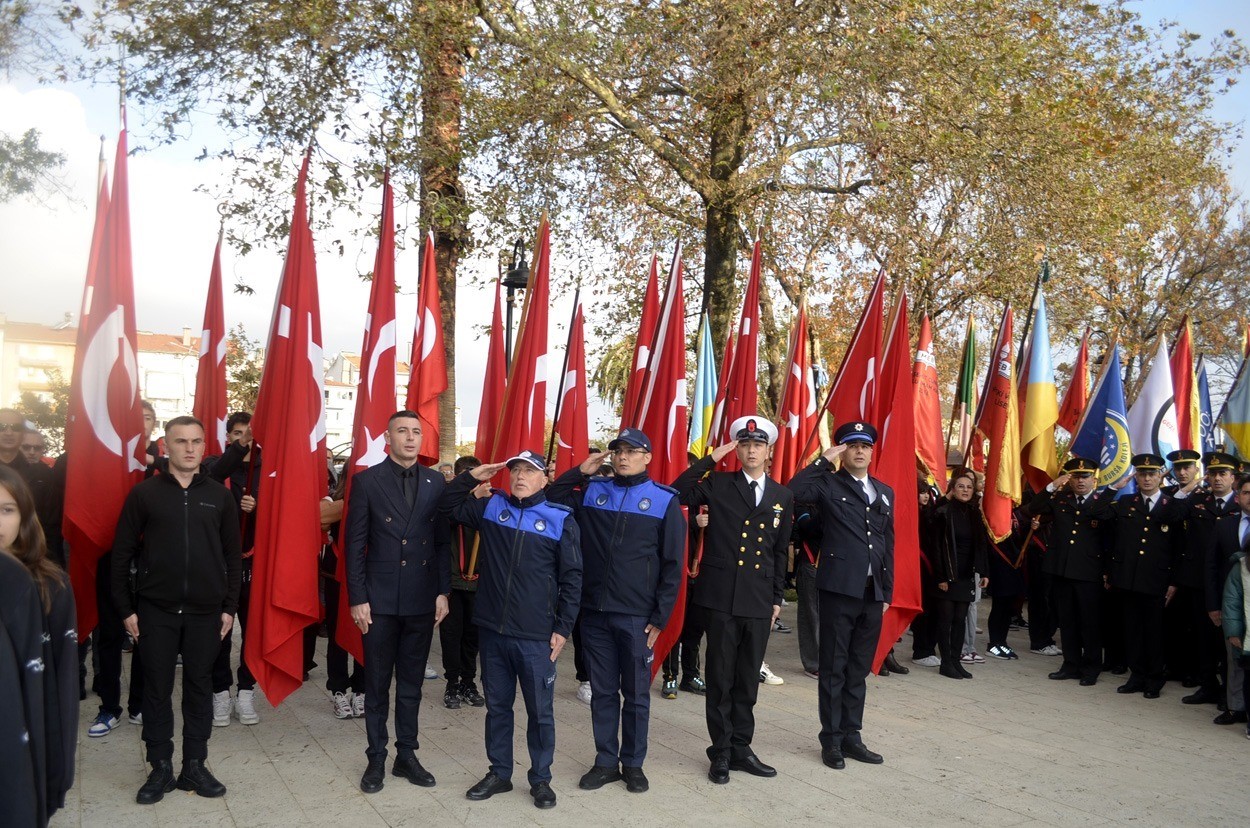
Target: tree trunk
[(720, 260)]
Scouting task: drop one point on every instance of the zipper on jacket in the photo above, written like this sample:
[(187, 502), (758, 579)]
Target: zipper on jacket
[(616, 531), (186, 547), (507, 595)]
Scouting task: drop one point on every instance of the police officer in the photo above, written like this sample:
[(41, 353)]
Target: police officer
[(633, 539), (741, 579), (855, 580), (1141, 565), (527, 600), (398, 578), (1076, 559)]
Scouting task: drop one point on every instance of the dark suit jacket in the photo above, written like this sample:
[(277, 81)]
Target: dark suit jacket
[(1141, 560), (743, 571), (1221, 559), (1075, 548), (1196, 542), (856, 535), (398, 557)]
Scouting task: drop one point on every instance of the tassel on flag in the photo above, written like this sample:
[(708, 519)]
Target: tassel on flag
[(642, 348), (998, 425), (290, 430), (1041, 405), (1077, 396), (210, 374), (704, 392), (428, 375), (493, 383), (571, 415), (375, 402), (741, 390), (798, 404), (927, 416), (104, 432), (1184, 389)]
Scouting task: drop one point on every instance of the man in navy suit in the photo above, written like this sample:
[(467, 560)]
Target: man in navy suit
[(398, 582), (855, 580)]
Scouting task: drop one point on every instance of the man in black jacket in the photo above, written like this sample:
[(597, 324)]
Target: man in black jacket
[(740, 583), (184, 531), (855, 580), (527, 601)]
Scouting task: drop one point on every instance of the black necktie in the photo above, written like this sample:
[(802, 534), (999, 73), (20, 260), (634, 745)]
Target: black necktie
[(755, 499), (410, 488)]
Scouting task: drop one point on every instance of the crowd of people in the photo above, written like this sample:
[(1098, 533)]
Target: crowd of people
[(1151, 585)]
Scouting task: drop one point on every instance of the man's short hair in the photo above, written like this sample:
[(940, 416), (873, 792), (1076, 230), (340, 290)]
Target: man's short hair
[(184, 420), (402, 414), (237, 417), (464, 464), (15, 413), (147, 406), (1243, 481)]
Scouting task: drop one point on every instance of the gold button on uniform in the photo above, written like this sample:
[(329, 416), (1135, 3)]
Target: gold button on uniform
[(740, 563), (757, 566)]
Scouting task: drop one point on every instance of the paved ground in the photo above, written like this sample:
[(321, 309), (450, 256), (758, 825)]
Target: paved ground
[(1008, 748)]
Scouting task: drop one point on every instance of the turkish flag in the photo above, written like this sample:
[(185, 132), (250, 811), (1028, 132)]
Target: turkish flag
[(663, 420), (571, 426), (998, 428), (428, 377), (375, 402), (741, 390), (642, 348), (1077, 396), (494, 384), (894, 463), (210, 375), (930, 447), (104, 431), (798, 405), (522, 421), (289, 429)]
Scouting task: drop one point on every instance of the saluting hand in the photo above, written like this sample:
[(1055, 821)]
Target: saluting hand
[(834, 452), (1062, 480), (721, 452), (486, 471), (592, 463)]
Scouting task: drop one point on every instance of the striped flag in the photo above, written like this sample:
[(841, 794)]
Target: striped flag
[(1235, 415), (998, 427), (704, 392), (965, 392), (1185, 389), (1041, 406), (1206, 416)]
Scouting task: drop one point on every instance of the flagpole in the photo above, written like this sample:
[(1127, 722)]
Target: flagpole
[(655, 335), (564, 372)]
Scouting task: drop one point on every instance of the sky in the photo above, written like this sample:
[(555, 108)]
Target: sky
[(43, 245)]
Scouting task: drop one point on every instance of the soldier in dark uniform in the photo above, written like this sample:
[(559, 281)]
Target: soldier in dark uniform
[(740, 585), (1076, 560), (1141, 565), (855, 581), (1183, 471), (1230, 540)]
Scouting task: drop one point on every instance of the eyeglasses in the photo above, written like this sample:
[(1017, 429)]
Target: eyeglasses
[(628, 451), (11, 427)]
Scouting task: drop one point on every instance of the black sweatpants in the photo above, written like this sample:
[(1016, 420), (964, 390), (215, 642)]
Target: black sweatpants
[(162, 635), (222, 679), (337, 678), (458, 636)]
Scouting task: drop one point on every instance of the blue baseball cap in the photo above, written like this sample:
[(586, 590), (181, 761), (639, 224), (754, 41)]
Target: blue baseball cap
[(631, 437)]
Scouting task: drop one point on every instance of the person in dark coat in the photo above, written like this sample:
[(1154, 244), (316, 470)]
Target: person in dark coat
[(1007, 575), (1232, 538), (23, 734), (740, 584), (959, 545)]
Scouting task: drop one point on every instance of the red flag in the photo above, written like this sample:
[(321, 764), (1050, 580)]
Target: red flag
[(741, 390), (1077, 396), (642, 348), (210, 375), (289, 428), (663, 419), (105, 425), (572, 426), (798, 404), (1184, 389), (493, 384), (998, 427), (894, 463), (428, 377), (930, 447), (375, 402), (522, 419)]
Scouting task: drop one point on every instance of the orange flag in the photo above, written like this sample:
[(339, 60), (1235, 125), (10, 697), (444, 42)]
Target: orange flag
[(998, 426), (930, 447)]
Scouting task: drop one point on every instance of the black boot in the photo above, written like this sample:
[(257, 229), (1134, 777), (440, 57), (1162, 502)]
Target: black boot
[(891, 663), (195, 777), (160, 782), (949, 670)]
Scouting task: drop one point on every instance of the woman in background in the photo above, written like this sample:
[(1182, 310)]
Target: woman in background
[(959, 543)]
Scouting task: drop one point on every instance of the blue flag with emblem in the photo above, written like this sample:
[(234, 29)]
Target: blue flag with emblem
[(1102, 433), (1207, 425)]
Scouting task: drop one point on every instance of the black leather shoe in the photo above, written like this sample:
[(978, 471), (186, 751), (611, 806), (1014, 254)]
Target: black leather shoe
[(833, 758), (410, 768), (195, 777), (1230, 717), (597, 777), (1118, 670), (1088, 681), (160, 782), (635, 780), (1131, 687), (374, 776), (544, 797), (962, 670), (1151, 694), (719, 771), (1202, 696), (857, 751), (752, 765), (891, 663), (491, 785), (947, 669), (1062, 675)]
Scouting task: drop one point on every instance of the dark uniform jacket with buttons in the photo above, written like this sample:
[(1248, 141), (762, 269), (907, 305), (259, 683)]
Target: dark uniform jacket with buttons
[(1197, 540), (529, 559), (1222, 558), (743, 570), (1076, 548), (398, 556), (1141, 560), (855, 534)]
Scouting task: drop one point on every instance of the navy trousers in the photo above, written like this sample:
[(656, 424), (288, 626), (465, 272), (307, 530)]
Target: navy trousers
[(507, 660), (619, 663), (849, 628), (398, 644)]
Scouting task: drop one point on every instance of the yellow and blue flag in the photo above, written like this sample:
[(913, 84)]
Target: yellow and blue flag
[(1235, 416), (1041, 406), (704, 402)]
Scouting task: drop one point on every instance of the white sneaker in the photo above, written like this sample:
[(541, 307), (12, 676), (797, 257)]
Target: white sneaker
[(245, 707), (928, 661), (358, 706), (136, 718), (430, 672), (221, 709), (1048, 650), (767, 676), (102, 726), (342, 706), (583, 692)]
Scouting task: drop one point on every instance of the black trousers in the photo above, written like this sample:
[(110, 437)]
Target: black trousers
[(1077, 605), (1111, 616), (579, 652), (109, 636), (337, 678), (849, 629), (162, 636), (924, 627), (952, 621), (1002, 608), (1042, 619), (809, 612), (735, 648), (458, 636), (395, 645), (1195, 645), (222, 679), (686, 654), (1143, 639)]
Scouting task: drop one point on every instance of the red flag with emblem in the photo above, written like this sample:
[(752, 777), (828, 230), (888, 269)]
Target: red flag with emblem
[(930, 447), (741, 391), (998, 429), (1077, 396), (210, 374), (493, 384), (642, 348), (289, 429), (572, 427), (104, 433), (428, 377), (798, 404)]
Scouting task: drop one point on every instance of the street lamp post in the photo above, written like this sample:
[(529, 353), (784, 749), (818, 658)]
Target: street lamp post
[(516, 278)]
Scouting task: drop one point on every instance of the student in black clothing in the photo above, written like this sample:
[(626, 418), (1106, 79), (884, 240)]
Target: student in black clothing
[(960, 544), (458, 632)]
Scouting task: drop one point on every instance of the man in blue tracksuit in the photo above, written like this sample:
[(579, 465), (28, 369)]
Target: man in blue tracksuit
[(633, 540), (527, 599)]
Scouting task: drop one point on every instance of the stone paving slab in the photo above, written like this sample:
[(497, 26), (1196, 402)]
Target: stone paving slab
[(1007, 748)]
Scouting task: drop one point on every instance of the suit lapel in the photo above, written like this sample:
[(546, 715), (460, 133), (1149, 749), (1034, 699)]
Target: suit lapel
[(740, 483), (851, 483)]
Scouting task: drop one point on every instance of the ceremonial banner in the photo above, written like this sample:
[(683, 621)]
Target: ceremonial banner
[(494, 382), (1102, 434), (1077, 396), (742, 386), (210, 374), (962, 412), (642, 348), (1206, 416), (571, 425), (998, 427), (1185, 390), (930, 448), (1152, 419), (427, 376), (798, 405), (704, 392), (1041, 407)]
